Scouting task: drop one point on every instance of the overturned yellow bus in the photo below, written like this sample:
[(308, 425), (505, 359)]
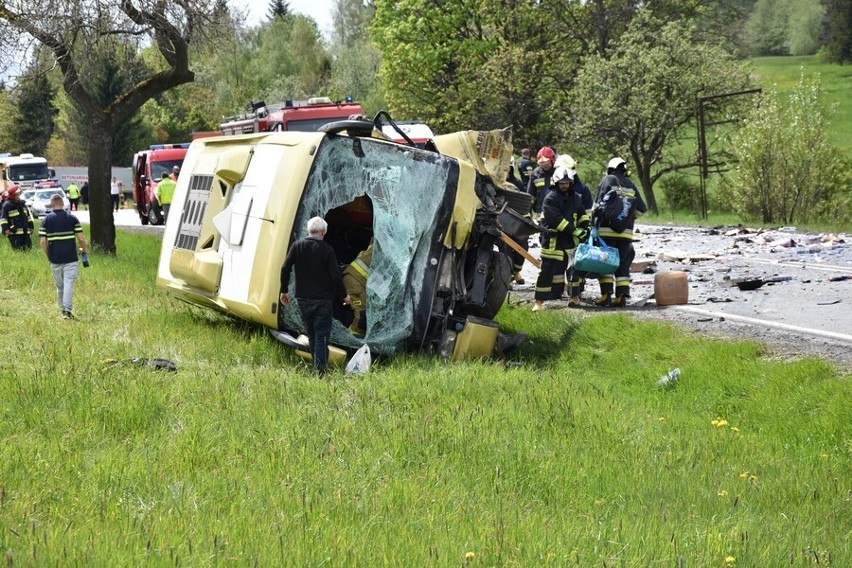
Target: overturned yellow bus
[(435, 215)]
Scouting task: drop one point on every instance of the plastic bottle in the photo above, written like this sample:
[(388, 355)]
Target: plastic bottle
[(669, 379), (85, 257)]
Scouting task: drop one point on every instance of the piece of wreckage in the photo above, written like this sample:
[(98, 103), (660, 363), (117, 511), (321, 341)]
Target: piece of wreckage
[(439, 273)]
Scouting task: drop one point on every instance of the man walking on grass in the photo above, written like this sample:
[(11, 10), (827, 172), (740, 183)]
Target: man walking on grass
[(59, 235), (318, 284)]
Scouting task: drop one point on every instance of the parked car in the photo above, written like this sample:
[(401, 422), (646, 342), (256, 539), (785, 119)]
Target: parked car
[(39, 201)]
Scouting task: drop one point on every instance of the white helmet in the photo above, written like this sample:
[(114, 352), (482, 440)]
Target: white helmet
[(563, 174), (614, 163), (565, 160)]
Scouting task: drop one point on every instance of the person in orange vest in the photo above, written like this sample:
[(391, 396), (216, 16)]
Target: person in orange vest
[(355, 281)]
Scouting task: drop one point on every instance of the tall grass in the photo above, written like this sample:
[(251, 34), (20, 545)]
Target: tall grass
[(567, 454)]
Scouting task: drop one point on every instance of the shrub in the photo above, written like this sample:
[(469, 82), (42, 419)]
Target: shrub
[(681, 192), (787, 169)]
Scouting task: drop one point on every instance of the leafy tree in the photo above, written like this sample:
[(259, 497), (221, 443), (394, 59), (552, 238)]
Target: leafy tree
[(278, 9), (838, 47), (289, 57), (462, 64), (493, 63), (351, 21), (72, 34), (33, 124), (643, 96), (768, 27), (112, 68), (787, 169), (805, 24), (355, 60), (8, 113)]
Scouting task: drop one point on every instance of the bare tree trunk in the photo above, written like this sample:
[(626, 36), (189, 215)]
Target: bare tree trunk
[(648, 189), (102, 224)]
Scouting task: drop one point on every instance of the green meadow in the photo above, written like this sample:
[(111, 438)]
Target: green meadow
[(567, 454)]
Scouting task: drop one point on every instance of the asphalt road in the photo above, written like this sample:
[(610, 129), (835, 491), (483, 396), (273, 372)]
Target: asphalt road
[(124, 218)]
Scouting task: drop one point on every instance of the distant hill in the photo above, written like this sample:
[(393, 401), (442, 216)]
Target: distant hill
[(836, 83)]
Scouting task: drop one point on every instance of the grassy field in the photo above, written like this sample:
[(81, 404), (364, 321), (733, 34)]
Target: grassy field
[(568, 455), (836, 81)]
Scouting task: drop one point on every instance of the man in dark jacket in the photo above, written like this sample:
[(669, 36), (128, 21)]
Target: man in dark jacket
[(526, 166), (318, 284), (59, 235), (568, 225)]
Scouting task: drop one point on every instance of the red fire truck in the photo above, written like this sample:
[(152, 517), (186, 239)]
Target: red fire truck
[(148, 168), (304, 116)]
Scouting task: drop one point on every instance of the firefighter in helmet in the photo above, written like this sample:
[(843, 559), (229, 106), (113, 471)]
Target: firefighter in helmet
[(617, 183), (567, 225), (539, 181), (16, 220)]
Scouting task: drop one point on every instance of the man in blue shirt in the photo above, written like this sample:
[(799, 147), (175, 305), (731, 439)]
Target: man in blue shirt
[(59, 235)]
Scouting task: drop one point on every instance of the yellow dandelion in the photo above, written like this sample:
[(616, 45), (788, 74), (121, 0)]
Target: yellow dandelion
[(744, 475), (722, 423), (752, 477), (715, 422), (722, 493), (824, 456), (734, 429), (729, 560), (662, 418), (468, 556), (551, 555)]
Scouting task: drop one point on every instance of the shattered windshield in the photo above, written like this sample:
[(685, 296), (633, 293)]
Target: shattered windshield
[(405, 189)]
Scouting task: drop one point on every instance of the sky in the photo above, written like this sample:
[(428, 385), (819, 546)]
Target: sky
[(319, 10)]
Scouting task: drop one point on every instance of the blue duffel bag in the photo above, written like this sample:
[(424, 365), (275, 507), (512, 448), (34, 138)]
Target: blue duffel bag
[(601, 259)]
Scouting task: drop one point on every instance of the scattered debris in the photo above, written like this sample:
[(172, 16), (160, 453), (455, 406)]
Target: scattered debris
[(153, 363), (749, 284), (831, 303), (669, 379), (776, 279), (840, 278)]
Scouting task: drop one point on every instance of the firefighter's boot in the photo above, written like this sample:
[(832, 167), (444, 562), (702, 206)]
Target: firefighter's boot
[(621, 295), (518, 278), (604, 300), (574, 302), (537, 306)]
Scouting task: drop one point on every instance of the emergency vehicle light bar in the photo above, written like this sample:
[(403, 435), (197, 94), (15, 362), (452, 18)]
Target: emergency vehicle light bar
[(168, 146)]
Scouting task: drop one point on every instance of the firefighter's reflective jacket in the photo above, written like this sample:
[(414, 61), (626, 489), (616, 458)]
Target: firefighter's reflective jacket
[(16, 217), (627, 191), (564, 215), (539, 186)]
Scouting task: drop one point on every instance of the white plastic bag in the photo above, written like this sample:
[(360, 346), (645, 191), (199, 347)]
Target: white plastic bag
[(360, 361)]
